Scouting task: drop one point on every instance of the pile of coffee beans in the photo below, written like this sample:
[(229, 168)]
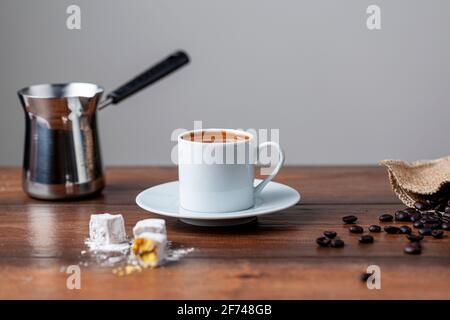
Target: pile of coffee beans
[(330, 239), (430, 218)]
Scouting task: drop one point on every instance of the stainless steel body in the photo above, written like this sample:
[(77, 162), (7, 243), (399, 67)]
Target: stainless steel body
[(62, 158)]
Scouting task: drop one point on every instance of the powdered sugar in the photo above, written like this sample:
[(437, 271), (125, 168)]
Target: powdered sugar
[(99, 247), (101, 250), (119, 255), (177, 254)]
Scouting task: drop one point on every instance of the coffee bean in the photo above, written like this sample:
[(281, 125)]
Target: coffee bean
[(421, 206), (430, 203), (432, 219), (405, 230), (414, 237), (391, 229), (349, 219), (445, 226), (374, 228), (410, 210), (366, 239), (437, 234), (447, 209), (356, 229), (330, 234), (365, 276), (425, 232), (337, 243), (323, 241), (423, 220), (386, 217), (433, 226), (402, 216), (415, 217), (413, 248), (418, 225)]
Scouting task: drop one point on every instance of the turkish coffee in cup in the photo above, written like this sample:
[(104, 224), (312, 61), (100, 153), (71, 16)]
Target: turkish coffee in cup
[(216, 170)]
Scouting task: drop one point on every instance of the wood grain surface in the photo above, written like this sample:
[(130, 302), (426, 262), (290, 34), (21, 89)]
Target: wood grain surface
[(273, 258)]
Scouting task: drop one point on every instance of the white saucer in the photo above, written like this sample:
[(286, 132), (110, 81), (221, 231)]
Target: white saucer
[(163, 200)]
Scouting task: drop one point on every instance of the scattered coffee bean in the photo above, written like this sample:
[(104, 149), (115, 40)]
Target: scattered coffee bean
[(330, 234), (323, 241), (432, 219), (366, 239), (405, 230), (337, 243), (356, 229), (437, 234), (374, 228), (413, 248), (432, 226), (445, 226), (421, 206), (349, 219), (430, 203), (425, 231), (391, 229), (402, 216), (415, 217), (386, 217), (365, 276), (414, 237), (423, 220), (410, 210), (418, 225)]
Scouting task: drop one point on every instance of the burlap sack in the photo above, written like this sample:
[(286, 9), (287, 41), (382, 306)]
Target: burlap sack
[(415, 181)]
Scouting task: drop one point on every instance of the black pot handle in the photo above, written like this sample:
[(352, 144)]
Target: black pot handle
[(159, 71)]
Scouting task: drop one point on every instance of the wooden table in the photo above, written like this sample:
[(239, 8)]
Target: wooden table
[(275, 258)]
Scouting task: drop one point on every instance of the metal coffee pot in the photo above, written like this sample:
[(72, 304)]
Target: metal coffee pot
[(61, 157)]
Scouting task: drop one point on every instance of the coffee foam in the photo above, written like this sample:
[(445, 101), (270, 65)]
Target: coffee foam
[(221, 136)]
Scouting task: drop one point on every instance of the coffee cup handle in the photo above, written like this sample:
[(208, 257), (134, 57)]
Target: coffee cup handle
[(280, 163)]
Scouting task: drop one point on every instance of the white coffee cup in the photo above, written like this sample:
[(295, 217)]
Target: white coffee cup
[(207, 184)]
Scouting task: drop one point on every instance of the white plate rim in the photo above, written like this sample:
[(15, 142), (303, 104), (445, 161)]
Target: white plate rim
[(217, 216)]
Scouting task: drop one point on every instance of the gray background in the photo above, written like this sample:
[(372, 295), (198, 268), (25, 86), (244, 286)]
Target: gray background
[(338, 92)]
